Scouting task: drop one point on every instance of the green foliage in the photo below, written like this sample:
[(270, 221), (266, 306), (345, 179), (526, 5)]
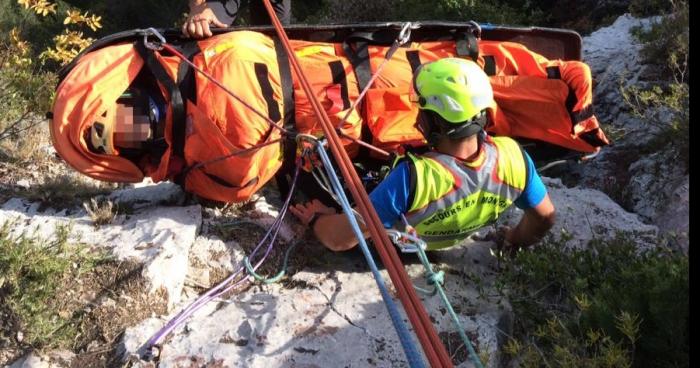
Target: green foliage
[(609, 306), (26, 93), (499, 12), (666, 102), (647, 8), (667, 42), (33, 274), (129, 14)]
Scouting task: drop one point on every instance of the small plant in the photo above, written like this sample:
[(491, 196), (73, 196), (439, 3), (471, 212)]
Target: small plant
[(666, 42), (26, 68), (34, 274), (665, 103), (611, 305), (101, 212)]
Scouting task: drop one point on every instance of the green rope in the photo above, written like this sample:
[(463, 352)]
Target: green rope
[(437, 279), (273, 279)]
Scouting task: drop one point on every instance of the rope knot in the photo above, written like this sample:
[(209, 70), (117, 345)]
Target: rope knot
[(436, 278)]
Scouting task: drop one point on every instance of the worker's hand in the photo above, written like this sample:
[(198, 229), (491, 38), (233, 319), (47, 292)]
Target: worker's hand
[(501, 236), (199, 21), (308, 211)]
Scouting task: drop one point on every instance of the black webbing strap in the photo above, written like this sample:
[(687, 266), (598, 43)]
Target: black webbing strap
[(186, 74), (413, 58), (286, 83), (553, 72), (263, 76), (176, 103), (359, 55), (288, 146), (339, 77), (467, 45), (584, 114), (489, 65), (591, 137), (359, 58)]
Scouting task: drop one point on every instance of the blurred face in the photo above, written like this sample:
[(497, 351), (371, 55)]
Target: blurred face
[(132, 126)]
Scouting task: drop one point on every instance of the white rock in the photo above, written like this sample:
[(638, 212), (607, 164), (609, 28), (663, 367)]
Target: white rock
[(587, 214), (148, 194), (212, 254), (48, 359), (332, 318), (159, 237)]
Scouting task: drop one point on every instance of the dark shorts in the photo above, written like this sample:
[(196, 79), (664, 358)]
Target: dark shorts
[(227, 10)]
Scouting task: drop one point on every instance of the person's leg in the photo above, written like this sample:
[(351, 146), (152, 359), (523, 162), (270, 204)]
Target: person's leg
[(258, 13), (225, 10)]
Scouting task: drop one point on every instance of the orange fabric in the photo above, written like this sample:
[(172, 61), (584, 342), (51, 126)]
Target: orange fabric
[(529, 105), (84, 95), (216, 127), (315, 59)]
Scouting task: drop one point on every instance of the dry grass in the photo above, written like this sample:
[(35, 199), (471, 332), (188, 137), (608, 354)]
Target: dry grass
[(101, 212)]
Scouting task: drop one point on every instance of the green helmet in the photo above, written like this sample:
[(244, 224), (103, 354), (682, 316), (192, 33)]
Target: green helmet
[(456, 89)]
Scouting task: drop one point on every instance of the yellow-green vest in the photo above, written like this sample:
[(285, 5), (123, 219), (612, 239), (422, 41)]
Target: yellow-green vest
[(452, 198)]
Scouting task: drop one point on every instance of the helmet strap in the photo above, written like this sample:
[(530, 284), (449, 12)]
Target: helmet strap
[(434, 127)]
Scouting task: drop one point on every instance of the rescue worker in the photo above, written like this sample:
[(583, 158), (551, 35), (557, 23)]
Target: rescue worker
[(222, 13), (463, 183)]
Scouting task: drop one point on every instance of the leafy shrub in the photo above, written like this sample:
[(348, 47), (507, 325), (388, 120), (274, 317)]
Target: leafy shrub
[(667, 42), (665, 102), (607, 306), (33, 272), (499, 12), (41, 35), (647, 8)]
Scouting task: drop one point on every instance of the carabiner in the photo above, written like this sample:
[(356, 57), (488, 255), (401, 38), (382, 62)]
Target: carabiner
[(407, 243), (477, 28), (405, 33), (153, 45)]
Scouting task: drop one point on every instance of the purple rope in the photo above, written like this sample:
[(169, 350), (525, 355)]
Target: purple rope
[(216, 291)]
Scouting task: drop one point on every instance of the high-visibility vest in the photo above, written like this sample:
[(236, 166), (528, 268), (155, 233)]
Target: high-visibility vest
[(453, 198)]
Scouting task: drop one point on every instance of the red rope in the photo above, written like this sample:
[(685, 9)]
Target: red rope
[(432, 346)]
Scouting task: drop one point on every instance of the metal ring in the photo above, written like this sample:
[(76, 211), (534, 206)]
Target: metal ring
[(411, 246), (477, 28), (405, 33), (152, 45), (306, 137)]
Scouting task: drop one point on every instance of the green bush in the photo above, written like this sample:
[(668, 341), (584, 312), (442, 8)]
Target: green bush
[(666, 43), (34, 274), (647, 8), (607, 306)]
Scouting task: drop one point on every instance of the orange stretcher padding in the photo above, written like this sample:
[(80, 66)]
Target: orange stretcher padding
[(535, 98)]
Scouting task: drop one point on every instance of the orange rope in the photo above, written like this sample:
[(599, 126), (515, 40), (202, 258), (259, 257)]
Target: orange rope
[(432, 346)]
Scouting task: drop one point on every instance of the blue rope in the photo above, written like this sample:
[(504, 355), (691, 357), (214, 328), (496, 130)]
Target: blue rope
[(415, 359)]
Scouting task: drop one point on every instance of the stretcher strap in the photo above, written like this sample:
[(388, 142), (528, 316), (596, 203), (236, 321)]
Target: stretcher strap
[(176, 102)]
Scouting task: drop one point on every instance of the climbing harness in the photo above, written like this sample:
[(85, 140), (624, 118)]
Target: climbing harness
[(430, 341)]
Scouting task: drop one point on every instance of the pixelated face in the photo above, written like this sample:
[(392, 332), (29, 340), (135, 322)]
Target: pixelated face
[(132, 126)]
